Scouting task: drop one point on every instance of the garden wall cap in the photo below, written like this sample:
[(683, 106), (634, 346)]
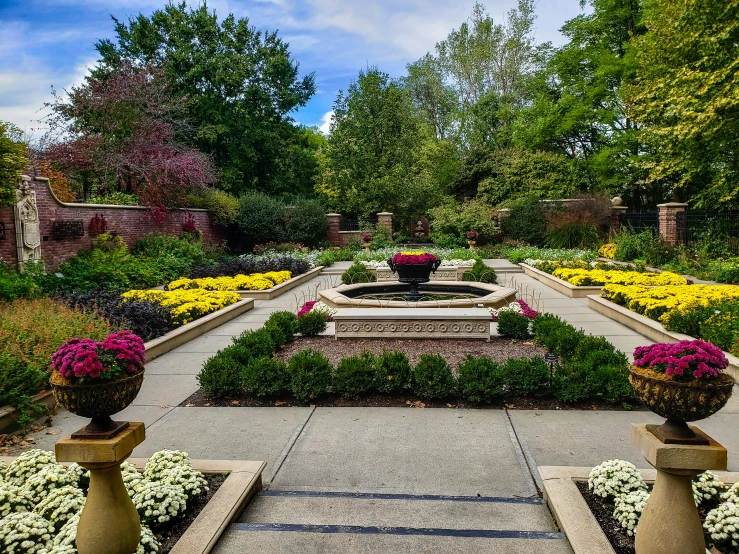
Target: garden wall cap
[(412, 313), (384, 213), (672, 205)]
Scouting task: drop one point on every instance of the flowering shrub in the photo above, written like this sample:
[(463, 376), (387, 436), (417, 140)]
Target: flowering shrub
[(25, 533), (131, 477), (629, 508), (615, 477), (598, 277), (607, 251), (722, 527), (687, 358), (731, 495), (186, 305), (307, 307), (28, 464), (518, 254), (519, 307), (60, 505), (120, 354), (413, 258), (191, 481), (706, 488), (80, 475), (14, 499), (50, 477), (64, 541), (159, 501), (256, 281), (164, 460)]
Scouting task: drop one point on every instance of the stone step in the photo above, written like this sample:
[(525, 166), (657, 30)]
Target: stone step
[(399, 510)]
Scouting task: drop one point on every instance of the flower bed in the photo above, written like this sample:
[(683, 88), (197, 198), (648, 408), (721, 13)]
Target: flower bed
[(607, 251), (459, 255), (255, 281), (518, 307), (599, 277), (185, 305), (519, 254)]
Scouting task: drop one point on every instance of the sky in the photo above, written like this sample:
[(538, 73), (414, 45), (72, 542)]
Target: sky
[(45, 43)]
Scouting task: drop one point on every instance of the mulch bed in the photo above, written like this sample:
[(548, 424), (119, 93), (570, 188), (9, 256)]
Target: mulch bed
[(621, 542), (169, 535), (454, 351)]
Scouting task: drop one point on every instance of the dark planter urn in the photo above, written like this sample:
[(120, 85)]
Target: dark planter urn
[(679, 402), (98, 401), (414, 274)]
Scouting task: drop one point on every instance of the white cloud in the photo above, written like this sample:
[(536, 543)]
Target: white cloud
[(326, 120)]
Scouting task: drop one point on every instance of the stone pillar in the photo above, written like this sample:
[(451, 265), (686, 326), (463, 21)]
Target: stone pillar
[(668, 227), (27, 224), (385, 219), (334, 224), (616, 212), (502, 214), (109, 523), (670, 522)]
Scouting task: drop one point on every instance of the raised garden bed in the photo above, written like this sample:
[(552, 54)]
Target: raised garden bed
[(560, 285), (649, 328), (277, 290)]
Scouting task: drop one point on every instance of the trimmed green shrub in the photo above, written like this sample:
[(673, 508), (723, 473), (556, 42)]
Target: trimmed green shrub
[(310, 374), (526, 376), (558, 337), (259, 343), (392, 372), (588, 344), (513, 325), (599, 375), (544, 325), (287, 321), (480, 273), (354, 375), (312, 324), (358, 273), (433, 378), (279, 338), (480, 379), (259, 218), (265, 376), (305, 222), (220, 375)]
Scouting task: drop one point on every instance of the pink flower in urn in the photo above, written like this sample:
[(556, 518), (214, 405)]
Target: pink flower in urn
[(86, 359), (366, 237), (414, 259), (695, 359), (472, 235)]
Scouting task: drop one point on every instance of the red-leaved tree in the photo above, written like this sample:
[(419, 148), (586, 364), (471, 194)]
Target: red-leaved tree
[(124, 131)]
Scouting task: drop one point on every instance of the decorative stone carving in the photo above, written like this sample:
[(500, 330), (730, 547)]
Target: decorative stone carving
[(442, 274), (27, 224)]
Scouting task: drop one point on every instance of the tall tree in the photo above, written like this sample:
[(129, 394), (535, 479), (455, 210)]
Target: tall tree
[(687, 97), (578, 109), (12, 161), (372, 159), (241, 85), (436, 100)]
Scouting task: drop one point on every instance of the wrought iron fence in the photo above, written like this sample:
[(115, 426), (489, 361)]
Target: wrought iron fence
[(640, 221), (720, 225), (356, 224)]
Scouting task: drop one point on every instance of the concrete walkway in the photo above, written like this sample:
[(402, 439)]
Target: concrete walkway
[(361, 480)]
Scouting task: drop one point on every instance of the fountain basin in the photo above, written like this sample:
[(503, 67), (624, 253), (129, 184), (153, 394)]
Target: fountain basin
[(436, 294)]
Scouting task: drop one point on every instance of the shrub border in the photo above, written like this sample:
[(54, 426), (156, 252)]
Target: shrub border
[(568, 289), (572, 513), (649, 328), (244, 480)]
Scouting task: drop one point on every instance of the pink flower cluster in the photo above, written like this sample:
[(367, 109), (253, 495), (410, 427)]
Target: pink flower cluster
[(366, 237), (472, 235), (696, 357), (306, 308), (79, 358), (526, 310), (414, 259)]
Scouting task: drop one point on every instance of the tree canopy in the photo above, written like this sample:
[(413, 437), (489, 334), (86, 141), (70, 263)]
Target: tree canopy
[(12, 161)]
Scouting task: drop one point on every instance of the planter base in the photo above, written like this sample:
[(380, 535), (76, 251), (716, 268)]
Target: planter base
[(678, 432), (100, 430)]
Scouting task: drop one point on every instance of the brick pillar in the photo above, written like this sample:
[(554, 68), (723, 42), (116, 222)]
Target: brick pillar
[(332, 234), (385, 219), (502, 214), (668, 221), (616, 212)]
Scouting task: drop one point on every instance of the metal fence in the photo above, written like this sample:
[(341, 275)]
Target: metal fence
[(640, 221), (712, 224), (356, 224)]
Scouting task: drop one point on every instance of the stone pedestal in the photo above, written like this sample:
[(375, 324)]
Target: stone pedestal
[(669, 228), (109, 523), (670, 521)]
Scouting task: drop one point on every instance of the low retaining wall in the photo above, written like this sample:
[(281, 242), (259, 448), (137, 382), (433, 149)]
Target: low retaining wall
[(568, 289), (649, 328)]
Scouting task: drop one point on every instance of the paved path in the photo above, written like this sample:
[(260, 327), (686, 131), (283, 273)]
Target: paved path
[(361, 480)]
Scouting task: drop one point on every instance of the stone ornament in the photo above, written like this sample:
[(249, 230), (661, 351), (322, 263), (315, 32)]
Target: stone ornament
[(27, 224)]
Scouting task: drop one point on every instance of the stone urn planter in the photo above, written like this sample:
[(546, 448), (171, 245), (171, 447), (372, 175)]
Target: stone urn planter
[(471, 239), (680, 397), (98, 379), (414, 268)]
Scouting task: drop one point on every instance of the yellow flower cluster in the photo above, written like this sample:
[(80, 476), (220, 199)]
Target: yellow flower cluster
[(607, 251), (599, 277), (662, 303), (255, 281), (185, 305), (413, 253)]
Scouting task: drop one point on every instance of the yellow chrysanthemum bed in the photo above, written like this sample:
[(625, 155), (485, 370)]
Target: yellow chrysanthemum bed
[(186, 305), (255, 281), (599, 277), (663, 303), (607, 251)]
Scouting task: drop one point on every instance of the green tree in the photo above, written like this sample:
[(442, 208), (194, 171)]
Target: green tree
[(12, 161), (686, 97), (578, 109), (372, 160), (241, 84), (436, 101)]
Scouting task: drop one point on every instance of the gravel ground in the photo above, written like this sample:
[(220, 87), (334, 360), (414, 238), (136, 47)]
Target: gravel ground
[(454, 351)]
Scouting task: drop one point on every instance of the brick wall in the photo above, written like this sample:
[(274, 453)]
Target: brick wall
[(131, 222)]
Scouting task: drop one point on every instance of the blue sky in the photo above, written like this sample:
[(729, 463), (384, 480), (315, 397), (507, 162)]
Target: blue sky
[(50, 42)]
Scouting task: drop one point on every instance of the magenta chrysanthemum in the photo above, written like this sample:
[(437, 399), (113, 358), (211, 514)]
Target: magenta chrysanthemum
[(414, 259), (81, 358), (696, 358)]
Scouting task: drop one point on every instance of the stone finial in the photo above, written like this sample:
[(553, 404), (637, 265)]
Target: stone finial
[(617, 201)]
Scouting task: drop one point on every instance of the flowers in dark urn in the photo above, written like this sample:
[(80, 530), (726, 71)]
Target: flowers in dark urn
[(413, 258), (684, 360), (472, 235), (366, 237), (84, 360)]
